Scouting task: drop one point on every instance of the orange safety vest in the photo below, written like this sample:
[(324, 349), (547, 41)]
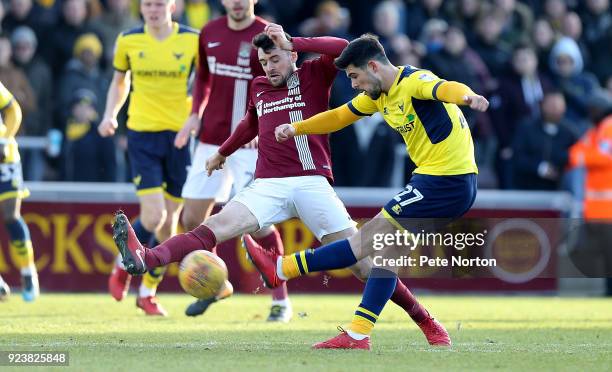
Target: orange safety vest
[(594, 153)]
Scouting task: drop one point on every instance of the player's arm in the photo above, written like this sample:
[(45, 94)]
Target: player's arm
[(245, 132), (429, 86), (326, 45), (329, 121), (325, 122), (11, 116), (118, 92), (200, 94)]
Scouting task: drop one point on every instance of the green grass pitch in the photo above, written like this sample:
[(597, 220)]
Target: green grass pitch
[(489, 333)]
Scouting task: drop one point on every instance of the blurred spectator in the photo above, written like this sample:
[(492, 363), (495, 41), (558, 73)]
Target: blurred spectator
[(31, 14), (116, 19), (74, 22), (516, 19), (465, 13), (452, 63), (554, 11), (572, 28), (457, 62), (433, 35), (82, 72), (15, 80), (541, 147), (387, 27), (418, 12), (598, 37), (543, 39), (577, 85), (516, 101), (329, 20), (88, 157), (40, 120), (494, 52), (363, 153)]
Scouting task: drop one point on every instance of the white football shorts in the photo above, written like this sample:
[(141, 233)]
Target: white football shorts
[(309, 198), (238, 171)]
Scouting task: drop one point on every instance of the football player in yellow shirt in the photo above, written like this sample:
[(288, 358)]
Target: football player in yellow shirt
[(423, 109), (12, 191), (156, 61)]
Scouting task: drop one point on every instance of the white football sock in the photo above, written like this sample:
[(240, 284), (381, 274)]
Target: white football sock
[(143, 291), (279, 268), (119, 262), (29, 270), (356, 336), (284, 303)]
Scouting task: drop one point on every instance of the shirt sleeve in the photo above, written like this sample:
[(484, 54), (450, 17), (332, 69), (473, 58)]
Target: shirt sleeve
[(328, 47), (424, 84), (201, 89), (362, 105), (5, 97), (245, 132), (120, 59)]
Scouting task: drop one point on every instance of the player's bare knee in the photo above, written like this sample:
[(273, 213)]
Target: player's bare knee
[(153, 219), (361, 270), (190, 220), (9, 210)]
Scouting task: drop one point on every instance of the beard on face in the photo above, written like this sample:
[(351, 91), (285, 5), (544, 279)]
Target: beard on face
[(376, 90)]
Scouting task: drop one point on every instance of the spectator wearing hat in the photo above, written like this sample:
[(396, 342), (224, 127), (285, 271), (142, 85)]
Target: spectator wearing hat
[(88, 157), (82, 72), (40, 120), (577, 85)]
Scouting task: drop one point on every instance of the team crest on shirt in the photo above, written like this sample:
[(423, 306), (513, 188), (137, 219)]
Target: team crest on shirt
[(245, 50), (293, 81), (426, 77), (259, 107), (397, 209)]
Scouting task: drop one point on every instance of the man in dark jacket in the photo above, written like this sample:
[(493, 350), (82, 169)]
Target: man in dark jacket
[(541, 147)]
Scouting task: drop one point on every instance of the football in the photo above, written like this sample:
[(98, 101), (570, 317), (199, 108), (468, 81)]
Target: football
[(202, 274)]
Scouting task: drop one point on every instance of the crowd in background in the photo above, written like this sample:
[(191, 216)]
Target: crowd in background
[(540, 63)]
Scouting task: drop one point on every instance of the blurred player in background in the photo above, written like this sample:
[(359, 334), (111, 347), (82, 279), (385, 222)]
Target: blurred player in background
[(227, 66), (292, 178), (12, 191), (423, 109), (156, 62)]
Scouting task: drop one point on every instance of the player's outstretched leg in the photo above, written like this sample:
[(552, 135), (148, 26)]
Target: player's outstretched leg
[(132, 252)]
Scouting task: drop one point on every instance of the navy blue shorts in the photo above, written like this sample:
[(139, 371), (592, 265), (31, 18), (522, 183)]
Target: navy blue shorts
[(11, 182), (439, 198), (157, 166)]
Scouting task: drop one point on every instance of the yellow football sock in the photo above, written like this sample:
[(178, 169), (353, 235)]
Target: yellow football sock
[(22, 253), (363, 321), (289, 265), (153, 277)]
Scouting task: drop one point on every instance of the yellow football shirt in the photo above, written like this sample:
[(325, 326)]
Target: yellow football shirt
[(437, 137), (12, 154), (161, 70)]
